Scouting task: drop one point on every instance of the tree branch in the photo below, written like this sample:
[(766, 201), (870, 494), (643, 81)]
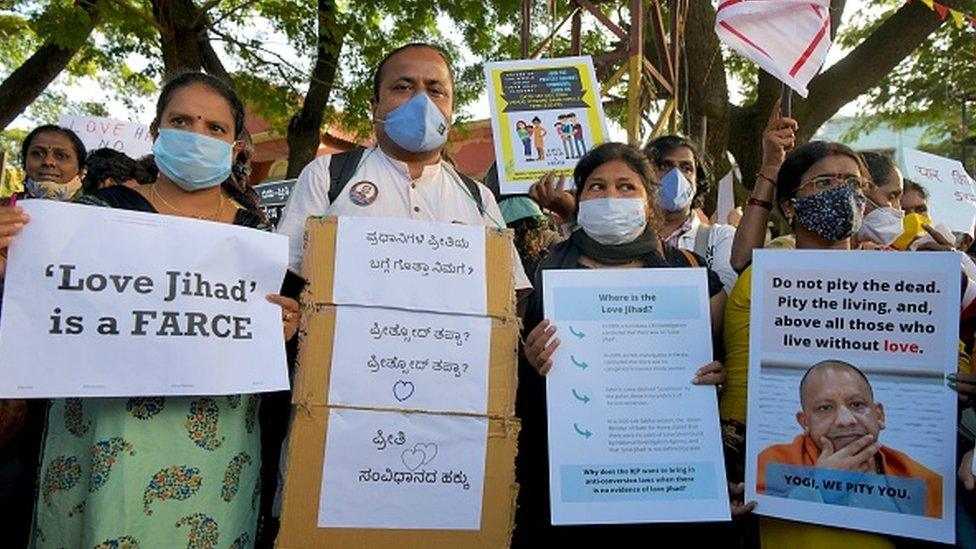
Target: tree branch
[(231, 11), (304, 130), (210, 61), (202, 11), (866, 65), (836, 13), (25, 83), (145, 17)]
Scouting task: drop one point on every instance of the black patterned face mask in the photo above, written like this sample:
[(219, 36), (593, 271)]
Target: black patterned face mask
[(832, 215)]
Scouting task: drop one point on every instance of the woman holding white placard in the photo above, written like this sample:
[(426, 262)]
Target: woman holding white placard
[(149, 471), (619, 216)]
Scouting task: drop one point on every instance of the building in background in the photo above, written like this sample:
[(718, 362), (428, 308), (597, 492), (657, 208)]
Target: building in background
[(882, 139)]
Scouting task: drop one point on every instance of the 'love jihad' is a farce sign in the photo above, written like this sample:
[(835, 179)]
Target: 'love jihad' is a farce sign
[(106, 302)]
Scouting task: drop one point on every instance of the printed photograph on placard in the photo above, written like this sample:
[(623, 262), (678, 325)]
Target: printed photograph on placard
[(546, 114), (850, 422), (841, 445)]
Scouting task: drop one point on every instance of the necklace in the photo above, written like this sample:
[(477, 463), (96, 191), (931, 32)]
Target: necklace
[(212, 217)]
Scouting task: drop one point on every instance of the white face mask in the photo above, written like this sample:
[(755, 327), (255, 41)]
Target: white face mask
[(676, 191), (882, 226), (613, 221)]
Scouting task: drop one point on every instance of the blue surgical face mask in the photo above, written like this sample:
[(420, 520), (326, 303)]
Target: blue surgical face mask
[(676, 191), (417, 126), (191, 160), (612, 221)]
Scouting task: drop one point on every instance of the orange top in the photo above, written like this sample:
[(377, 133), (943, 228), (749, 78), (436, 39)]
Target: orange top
[(802, 451)]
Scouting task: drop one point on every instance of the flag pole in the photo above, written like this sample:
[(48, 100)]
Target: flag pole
[(786, 105)]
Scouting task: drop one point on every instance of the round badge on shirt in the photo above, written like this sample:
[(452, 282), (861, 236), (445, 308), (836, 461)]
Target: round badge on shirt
[(363, 193)]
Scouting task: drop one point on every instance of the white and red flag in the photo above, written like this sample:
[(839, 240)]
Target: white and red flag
[(787, 38)]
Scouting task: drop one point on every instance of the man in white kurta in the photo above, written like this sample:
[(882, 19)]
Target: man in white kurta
[(390, 180)]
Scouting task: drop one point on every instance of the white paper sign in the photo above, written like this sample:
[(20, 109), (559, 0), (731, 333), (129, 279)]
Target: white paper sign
[(894, 317), (952, 195), (130, 138), (401, 470), (409, 264), (393, 358), (103, 302), (631, 440), (726, 198)]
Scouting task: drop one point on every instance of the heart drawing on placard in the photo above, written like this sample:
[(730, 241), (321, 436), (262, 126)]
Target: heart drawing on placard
[(413, 459), (429, 449), (421, 454), (402, 390)]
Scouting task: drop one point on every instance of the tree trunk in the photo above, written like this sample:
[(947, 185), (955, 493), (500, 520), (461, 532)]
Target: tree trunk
[(29, 80), (180, 37), (708, 109), (304, 129), (739, 128)]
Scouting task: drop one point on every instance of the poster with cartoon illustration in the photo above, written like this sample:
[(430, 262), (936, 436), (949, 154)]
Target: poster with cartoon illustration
[(545, 115), (851, 423)]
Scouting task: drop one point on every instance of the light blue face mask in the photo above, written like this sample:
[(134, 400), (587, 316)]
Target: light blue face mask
[(676, 191), (191, 160), (417, 126)]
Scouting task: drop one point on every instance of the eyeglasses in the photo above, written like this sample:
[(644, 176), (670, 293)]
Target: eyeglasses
[(833, 181)]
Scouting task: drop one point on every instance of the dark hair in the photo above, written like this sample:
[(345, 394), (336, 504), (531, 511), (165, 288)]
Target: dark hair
[(530, 237), (823, 364), (911, 186), (378, 73), (657, 148), (801, 158), (244, 195), (108, 163), (76, 143), (880, 166), (635, 159), (147, 166)]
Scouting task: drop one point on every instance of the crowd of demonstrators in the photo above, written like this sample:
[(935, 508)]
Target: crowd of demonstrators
[(681, 173), (628, 208)]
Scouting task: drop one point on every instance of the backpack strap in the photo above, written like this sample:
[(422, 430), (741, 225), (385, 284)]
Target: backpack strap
[(473, 190), (342, 166), (692, 260), (701, 239)]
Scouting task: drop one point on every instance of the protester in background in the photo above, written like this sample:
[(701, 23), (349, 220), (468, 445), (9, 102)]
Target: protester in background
[(532, 233), (680, 168), (622, 235), (684, 184), (108, 167), (915, 199), (882, 211), (53, 159), (159, 461)]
